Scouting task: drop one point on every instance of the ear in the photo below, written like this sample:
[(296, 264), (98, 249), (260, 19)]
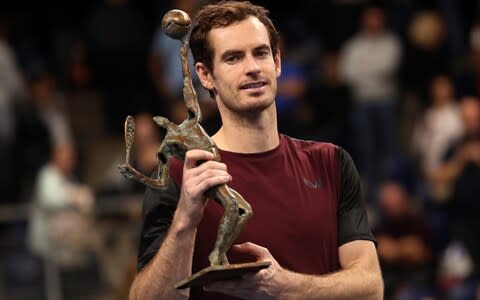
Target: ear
[(278, 63), (204, 75)]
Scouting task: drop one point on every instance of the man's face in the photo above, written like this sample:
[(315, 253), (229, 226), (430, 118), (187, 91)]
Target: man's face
[(373, 20), (245, 70)]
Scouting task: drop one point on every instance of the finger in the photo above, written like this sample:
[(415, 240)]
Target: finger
[(194, 177), (206, 166), (253, 249), (192, 157), (195, 187), (212, 181)]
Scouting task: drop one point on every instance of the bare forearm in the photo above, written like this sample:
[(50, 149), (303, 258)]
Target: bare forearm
[(172, 263), (353, 283)]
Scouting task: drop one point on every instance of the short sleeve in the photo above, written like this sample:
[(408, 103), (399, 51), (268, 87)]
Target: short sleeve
[(352, 215), (158, 209)]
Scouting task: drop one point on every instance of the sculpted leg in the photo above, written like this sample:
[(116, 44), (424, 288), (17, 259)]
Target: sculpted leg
[(226, 228), (244, 215)]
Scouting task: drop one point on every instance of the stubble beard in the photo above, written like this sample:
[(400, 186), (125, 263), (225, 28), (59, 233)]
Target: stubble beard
[(249, 111)]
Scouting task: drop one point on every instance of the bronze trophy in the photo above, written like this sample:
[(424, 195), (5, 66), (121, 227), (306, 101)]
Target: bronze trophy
[(178, 140)]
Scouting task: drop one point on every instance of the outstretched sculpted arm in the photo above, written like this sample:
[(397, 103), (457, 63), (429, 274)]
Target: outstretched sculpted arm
[(130, 172), (189, 94)]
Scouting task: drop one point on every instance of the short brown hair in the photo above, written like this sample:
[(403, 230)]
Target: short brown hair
[(223, 14)]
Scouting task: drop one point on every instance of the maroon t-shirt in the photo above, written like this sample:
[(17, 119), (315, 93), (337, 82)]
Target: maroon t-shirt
[(306, 201)]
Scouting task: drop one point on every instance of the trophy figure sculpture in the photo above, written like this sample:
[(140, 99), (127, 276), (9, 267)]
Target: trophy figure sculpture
[(178, 140)]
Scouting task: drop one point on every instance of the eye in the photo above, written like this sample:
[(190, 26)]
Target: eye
[(262, 53), (232, 58)]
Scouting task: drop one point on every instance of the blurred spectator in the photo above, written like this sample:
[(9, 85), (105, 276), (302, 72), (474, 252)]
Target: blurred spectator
[(403, 244), (369, 64), (59, 227), (455, 270), (41, 124), (11, 87), (426, 56), (460, 173), (438, 127)]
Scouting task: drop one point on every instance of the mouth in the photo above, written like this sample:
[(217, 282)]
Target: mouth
[(253, 85)]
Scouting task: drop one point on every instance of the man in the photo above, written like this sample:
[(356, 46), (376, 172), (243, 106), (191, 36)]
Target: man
[(369, 62), (308, 220)]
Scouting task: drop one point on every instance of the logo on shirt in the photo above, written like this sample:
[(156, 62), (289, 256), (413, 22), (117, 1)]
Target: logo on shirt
[(313, 185)]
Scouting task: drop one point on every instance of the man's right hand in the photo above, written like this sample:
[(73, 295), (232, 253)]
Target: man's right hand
[(200, 173)]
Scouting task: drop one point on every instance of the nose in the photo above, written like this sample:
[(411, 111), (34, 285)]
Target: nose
[(251, 65)]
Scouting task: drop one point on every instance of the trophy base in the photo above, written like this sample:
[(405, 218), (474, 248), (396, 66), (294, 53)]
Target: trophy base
[(218, 273)]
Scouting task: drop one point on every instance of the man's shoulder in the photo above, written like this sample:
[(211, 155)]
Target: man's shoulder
[(309, 145), (312, 151)]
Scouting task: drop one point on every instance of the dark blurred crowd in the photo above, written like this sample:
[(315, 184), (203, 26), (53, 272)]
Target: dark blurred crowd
[(396, 83)]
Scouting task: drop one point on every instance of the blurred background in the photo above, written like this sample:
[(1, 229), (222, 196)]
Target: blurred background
[(396, 83)]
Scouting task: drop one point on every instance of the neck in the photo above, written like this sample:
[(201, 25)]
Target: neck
[(251, 133)]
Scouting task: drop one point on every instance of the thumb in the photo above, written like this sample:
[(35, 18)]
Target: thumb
[(253, 249)]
